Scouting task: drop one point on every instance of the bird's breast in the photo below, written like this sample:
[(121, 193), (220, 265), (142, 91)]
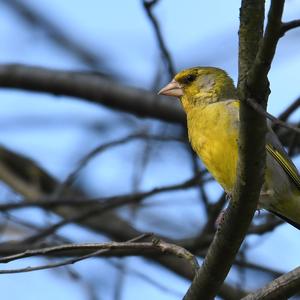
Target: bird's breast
[(213, 135)]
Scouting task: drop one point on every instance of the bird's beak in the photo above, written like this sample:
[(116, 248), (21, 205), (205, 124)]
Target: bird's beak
[(172, 89)]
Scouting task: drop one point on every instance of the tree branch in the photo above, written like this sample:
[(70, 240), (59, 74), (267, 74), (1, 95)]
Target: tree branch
[(91, 88), (24, 176), (288, 26), (282, 287), (289, 110), (257, 80), (103, 147), (36, 19), (100, 208), (95, 89), (148, 5), (273, 119), (250, 173), (139, 248), (98, 203)]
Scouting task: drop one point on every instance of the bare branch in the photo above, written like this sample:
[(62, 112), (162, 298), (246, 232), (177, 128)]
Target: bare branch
[(180, 267), (35, 183), (288, 26), (91, 88), (148, 278), (258, 267), (31, 181), (82, 247), (282, 287), (102, 207), (96, 90), (36, 19), (113, 201), (240, 212), (156, 245), (288, 139), (290, 109), (48, 203), (103, 147), (257, 81), (265, 227), (148, 5), (276, 121)]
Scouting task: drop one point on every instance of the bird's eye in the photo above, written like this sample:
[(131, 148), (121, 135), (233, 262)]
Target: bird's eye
[(190, 78)]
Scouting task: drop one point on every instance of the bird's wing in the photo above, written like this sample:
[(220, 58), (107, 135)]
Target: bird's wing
[(276, 150)]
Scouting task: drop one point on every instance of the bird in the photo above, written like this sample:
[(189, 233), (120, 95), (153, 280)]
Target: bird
[(209, 98)]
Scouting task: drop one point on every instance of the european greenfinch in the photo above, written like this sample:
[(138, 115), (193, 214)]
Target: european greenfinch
[(209, 98)]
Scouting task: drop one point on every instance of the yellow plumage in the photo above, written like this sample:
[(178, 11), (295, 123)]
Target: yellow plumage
[(209, 99), (216, 147)]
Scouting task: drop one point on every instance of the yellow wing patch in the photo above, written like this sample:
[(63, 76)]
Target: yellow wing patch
[(287, 166)]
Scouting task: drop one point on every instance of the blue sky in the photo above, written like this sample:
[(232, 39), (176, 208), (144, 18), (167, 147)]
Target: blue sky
[(58, 128)]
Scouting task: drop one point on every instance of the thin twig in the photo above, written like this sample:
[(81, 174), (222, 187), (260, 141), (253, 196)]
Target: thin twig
[(34, 227), (276, 121), (155, 244), (293, 143), (58, 264), (288, 26), (103, 207), (83, 246), (148, 5), (265, 227), (155, 282), (289, 110), (103, 147), (257, 267), (48, 203)]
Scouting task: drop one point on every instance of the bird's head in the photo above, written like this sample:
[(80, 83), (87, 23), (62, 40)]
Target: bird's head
[(200, 86)]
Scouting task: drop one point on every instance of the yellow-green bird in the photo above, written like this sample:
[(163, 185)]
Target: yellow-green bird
[(209, 99)]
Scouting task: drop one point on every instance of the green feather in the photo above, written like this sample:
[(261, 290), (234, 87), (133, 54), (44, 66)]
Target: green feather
[(285, 163)]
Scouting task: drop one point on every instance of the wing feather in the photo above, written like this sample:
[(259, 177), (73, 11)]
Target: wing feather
[(286, 164)]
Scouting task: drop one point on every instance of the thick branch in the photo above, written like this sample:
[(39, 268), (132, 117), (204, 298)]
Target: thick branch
[(95, 89), (257, 81), (288, 26), (92, 88), (282, 287), (251, 162)]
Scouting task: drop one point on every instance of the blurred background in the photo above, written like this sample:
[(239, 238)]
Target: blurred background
[(117, 41)]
